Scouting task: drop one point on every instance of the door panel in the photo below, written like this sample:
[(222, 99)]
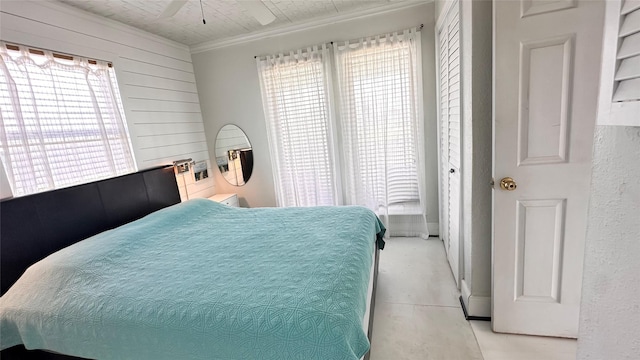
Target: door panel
[(454, 253), (449, 124), (443, 108), (540, 236), (546, 68), (533, 7), (453, 144), (544, 102)]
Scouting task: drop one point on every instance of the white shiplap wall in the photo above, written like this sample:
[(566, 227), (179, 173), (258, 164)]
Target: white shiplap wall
[(155, 76)]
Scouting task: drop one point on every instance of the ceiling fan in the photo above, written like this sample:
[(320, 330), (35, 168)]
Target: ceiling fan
[(255, 8)]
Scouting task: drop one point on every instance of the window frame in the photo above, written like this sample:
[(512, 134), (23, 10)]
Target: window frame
[(117, 107)]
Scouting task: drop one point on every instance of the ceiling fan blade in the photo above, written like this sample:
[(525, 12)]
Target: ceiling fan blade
[(171, 9), (258, 10)]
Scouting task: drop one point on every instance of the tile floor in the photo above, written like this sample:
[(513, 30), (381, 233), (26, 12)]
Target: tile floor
[(508, 347), (418, 314)]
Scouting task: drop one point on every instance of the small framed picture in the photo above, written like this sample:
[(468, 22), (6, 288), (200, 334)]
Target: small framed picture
[(200, 171)]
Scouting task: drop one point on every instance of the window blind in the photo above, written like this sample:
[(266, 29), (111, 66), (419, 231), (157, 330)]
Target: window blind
[(62, 121), (296, 106), (376, 135), (627, 75), (379, 123)]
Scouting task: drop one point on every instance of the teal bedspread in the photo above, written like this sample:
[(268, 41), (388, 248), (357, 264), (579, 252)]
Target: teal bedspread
[(201, 280)]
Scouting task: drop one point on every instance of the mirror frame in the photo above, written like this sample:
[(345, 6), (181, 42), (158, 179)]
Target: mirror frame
[(239, 154)]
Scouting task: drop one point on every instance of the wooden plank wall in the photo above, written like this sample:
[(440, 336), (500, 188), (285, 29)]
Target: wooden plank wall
[(155, 76)]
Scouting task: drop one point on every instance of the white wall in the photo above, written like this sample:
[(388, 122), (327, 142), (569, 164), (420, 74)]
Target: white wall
[(476, 49), (229, 91), (477, 154), (155, 76), (439, 7), (610, 307)]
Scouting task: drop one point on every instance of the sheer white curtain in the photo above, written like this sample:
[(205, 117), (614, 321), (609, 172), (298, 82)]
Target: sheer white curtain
[(296, 100), (61, 121), (381, 118)]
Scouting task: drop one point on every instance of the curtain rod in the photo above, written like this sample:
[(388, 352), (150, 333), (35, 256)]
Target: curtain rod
[(55, 55), (418, 28)]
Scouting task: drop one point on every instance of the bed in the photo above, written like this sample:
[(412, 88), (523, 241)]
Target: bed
[(195, 280)]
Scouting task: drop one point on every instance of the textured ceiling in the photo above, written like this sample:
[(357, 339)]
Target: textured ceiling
[(225, 18)]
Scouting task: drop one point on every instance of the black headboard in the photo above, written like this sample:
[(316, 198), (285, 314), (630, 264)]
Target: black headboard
[(34, 226)]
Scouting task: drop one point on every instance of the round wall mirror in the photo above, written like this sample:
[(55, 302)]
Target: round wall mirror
[(234, 155)]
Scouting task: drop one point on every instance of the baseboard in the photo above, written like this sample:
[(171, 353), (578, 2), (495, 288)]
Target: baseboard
[(411, 226), (471, 317), (475, 307)]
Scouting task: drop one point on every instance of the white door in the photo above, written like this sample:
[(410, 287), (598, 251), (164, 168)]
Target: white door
[(546, 70), (448, 44)]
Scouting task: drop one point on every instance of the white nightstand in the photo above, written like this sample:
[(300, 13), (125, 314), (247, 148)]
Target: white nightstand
[(227, 199)]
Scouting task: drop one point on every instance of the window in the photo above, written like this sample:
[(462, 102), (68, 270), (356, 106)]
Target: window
[(378, 126), (376, 135), (379, 121), (62, 121), (295, 97)]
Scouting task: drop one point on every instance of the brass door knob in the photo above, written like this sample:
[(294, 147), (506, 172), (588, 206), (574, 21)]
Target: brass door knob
[(508, 184)]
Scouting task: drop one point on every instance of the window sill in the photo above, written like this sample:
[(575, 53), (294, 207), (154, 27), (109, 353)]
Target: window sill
[(412, 208)]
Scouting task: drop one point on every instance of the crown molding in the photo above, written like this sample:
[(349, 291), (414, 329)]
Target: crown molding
[(306, 25), (58, 6)]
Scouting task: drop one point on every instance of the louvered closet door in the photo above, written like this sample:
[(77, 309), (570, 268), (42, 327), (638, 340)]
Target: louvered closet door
[(449, 70), (627, 76), (619, 98)]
